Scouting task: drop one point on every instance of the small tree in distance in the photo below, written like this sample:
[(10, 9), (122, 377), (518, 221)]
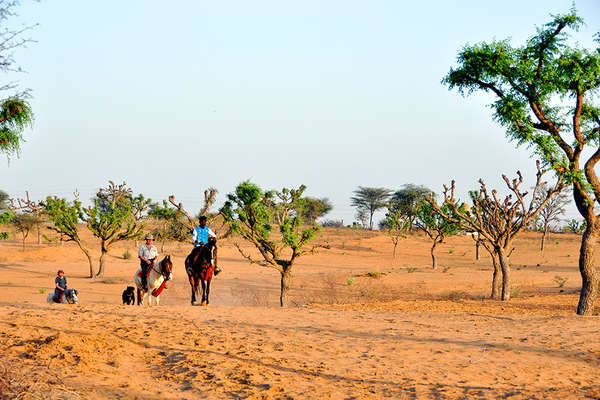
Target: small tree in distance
[(435, 225), (5, 214), (395, 225), (313, 208), (24, 223), (551, 212), (408, 199), (368, 200), (249, 213), (65, 218)]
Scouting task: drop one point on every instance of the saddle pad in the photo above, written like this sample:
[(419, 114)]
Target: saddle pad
[(139, 274), (158, 291)]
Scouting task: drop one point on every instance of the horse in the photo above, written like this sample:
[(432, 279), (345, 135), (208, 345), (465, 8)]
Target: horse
[(200, 268), (159, 273), (69, 297)]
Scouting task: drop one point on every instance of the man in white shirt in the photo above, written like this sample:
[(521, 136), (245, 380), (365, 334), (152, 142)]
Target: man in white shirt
[(147, 254), (201, 234)]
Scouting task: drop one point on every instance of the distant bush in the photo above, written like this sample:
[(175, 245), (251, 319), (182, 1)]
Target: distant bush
[(560, 280), (374, 274), (332, 223), (126, 254)]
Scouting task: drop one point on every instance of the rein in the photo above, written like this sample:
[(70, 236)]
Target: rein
[(160, 272)]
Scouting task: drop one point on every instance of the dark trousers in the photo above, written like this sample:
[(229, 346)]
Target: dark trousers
[(58, 294), (145, 267)]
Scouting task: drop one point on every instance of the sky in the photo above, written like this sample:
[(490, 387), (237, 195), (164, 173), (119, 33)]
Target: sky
[(175, 97)]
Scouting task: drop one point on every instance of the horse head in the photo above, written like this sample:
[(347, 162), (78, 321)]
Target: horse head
[(167, 267)]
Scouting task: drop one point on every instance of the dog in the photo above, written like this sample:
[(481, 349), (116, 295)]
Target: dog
[(129, 296)]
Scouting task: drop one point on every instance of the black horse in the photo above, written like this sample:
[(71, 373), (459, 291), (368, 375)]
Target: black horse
[(200, 265)]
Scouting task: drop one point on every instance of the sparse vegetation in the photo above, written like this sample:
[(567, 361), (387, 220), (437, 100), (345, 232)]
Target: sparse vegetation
[(560, 280), (126, 255)]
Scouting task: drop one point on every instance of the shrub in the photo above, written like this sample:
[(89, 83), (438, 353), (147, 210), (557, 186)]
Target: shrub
[(516, 292), (126, 254), (350, 281), (411, 269), (445, 269), (374, 274), (333, 223), (560, 280), (42, 291)]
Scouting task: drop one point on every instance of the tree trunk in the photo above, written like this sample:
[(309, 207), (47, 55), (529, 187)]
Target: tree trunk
[(544, 234), (496, 280), (503, 258), (477, 249), (395, 245), (286, 282), (39, 235), (89, 257), (104, 251), (589, 275), (162, 247), (433, 261)]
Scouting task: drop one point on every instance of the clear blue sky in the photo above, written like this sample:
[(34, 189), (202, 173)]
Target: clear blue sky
[(174, 97)]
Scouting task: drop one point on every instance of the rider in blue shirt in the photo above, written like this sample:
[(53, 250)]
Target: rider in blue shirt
[(201, 234)]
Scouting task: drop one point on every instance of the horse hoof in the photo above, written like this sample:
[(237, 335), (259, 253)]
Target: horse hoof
[(203, 303)]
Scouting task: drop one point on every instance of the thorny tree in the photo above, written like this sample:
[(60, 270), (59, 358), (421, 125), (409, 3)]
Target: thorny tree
[(116, 215), (188, 223), (546, 94), (32, 207), (368, 200), (249, 213), (499, 220), (396, 226)]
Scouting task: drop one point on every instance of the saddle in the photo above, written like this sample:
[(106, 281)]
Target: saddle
[(139, 274)]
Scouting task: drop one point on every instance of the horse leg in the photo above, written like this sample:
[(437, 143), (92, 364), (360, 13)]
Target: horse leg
[(207, 290), (157, 301), (191, 279), (203, 292)]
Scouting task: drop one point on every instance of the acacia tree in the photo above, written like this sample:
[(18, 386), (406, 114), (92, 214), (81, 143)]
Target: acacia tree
[(368, 200), (31, 207), (15, 113), (115, 216), (65, 218), (551, 212), (313, 208), (408, 199), (24, 223), (249, 213), (499, 221), (435, 225), (546, 95)]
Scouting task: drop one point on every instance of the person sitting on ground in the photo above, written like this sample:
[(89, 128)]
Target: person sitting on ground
[(61, 286), (147, 254), (200, 236)]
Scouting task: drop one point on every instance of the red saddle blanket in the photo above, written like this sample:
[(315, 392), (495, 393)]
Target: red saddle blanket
[(158, 291), (139, 274)]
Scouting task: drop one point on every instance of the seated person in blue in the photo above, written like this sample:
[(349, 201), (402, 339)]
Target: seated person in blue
[(200, 236), (61, 286)]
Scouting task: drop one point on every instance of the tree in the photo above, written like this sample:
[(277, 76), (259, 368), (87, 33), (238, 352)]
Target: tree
[(551, 212), (24, 223), (65, 218), (435, 225), (408, 199), (15, 113), (395, 225), (248, 213), (115, 216), (368, 200), (313, 208), (545, 94), (5, 214), (182, 226), (32, 207), (499, 220)]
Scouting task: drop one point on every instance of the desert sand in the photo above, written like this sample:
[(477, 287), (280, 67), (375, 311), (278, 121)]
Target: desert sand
[(362, 325)]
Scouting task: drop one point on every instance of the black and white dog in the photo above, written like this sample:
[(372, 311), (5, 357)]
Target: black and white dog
[(129, 296)]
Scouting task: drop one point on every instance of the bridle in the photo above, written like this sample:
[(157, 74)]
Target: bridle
[(162, 271)]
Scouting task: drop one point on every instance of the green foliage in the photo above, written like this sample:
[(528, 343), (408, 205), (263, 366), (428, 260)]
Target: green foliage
[(312, 208), (332, 223), (407, 200), (433, 223), (126, 254), (6, 215), (367, 201), (576, 226), (64, 216), (249, 212), (15, 116), (170, 223), (24, 223)]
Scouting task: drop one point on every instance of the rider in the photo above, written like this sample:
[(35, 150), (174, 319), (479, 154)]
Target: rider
[(147, 254), (200, 236), (61, 286)]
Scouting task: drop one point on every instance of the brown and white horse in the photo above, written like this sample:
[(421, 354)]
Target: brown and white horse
[(199, 266), (159, 274)]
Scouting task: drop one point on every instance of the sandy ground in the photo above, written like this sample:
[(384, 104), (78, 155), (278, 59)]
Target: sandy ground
[(362, 325)]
